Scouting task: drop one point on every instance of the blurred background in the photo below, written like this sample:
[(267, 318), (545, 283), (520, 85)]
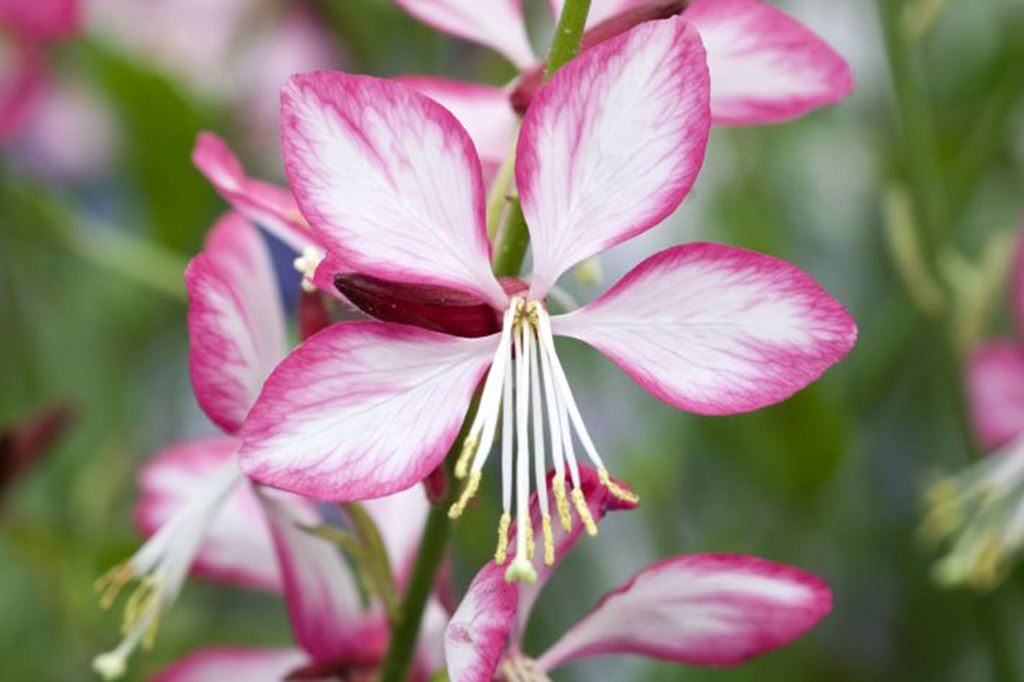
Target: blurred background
[(903, 201)]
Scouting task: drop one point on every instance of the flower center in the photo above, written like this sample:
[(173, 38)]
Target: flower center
[(526, 387)]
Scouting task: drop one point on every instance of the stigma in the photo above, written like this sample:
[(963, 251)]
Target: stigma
[(527, 394), (980, 512), (306, 265)]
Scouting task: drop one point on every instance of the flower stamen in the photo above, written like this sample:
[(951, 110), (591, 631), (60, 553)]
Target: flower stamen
[(306, 265)]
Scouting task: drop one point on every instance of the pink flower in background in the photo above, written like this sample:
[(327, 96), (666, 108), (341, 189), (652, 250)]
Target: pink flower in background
[(765, 66), (28, 27), (700, 609), (391, 187), (257, 541), (981, 509), (237, 334)]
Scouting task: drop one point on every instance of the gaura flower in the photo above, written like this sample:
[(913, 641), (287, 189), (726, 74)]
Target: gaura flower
[(700, 609), (258, 541), (237, 334), (392, 188), (981, 509), (765, 66)]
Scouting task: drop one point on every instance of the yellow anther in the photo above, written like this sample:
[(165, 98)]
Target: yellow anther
[(521, 570), (615, 489), (549, 540), (472, 485), (501, 554), (583, 511), (558, 489), (469, 447), (528, 529), (989, 567), (112, 582)]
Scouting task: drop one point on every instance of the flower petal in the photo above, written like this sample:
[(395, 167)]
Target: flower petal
[(497, 24), (269, 206), (230, 663), (612, 144), (995, 383), (237, 547), (235, 321), (716, 330), (40, 20), (362, 410), (478, 630), (765, 66), (321, 592), (484, 111), (22, 82), (389, 180), (704, 609)]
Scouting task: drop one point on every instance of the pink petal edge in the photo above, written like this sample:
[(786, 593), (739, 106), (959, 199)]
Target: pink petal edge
[(766, 67), (702, 609), (362, 409), (716, 330), (585, 183)]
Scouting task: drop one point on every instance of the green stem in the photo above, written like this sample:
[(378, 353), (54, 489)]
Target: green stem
[(568, 34), (515, 238), (508, 261)]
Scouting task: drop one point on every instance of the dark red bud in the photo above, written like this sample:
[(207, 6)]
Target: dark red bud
[(436, 485), (312, 313), (532, 80), (22, 444), (432, 307)]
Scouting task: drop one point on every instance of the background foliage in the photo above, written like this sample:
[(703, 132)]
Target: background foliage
[(92, 316)]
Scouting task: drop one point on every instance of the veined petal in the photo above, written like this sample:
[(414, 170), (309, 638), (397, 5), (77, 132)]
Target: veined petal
[(231, 663), (269, 206), (716, 330), (362, 410), (995, 383), (498, 24), (765, 66), (235, 321), (400, 519), (41, 19), (612, 144), (479, 628), (237, 548), (389, 180), (483, 110), (321, 592), (704, 609)]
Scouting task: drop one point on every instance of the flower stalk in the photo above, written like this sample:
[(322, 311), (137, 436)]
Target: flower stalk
[(510, 251)]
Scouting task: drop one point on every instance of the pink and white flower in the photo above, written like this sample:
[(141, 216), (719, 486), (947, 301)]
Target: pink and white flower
[(257, 540), (981, 509), (391, 187), (765, 66), (237, 334), (700, 609)]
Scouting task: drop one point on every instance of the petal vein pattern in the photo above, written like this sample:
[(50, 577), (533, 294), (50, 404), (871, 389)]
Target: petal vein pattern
[(612, 144), (389, 181), (362, 410), (716, 330)]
